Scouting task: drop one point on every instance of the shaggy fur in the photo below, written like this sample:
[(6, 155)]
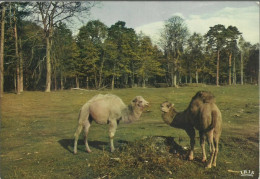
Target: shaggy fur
[(107, 109), (202, 114)]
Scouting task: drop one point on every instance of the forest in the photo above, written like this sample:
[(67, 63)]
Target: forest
[(40, 52)]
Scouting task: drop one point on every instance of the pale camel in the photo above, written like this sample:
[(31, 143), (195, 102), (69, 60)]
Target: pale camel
[(107, 109)]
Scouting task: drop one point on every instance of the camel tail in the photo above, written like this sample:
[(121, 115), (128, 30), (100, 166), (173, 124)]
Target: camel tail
[(213, 124)]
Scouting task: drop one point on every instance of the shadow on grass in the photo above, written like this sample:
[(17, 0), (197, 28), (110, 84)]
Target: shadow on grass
[(68, 144), (161, 142), (174, 146)]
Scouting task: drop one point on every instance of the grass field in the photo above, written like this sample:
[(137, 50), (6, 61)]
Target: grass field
[(37, 131)]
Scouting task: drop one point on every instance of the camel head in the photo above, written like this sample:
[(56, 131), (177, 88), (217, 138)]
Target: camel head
[(166, 106), (140, 102)]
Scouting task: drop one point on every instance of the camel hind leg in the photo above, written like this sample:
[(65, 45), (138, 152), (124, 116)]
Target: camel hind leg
[(83, 120), (202, 144), (76, 135), (86, 130), (212, 153), (216, 142)]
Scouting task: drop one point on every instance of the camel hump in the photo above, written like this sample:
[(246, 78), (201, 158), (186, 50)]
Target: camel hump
[(204, 96)]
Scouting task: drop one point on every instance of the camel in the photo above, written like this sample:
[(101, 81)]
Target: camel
[(202, 114), (107, 109)]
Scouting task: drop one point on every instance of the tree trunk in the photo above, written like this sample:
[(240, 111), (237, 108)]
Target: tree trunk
[(190, 77), (229, 69), (95, 78), (132, 80), (113, 82), (143, 84), (17, 57), (48, 64), (132, 77), (100, 73), (175, 80), (61, 81), (179, 77), (168, 77), (234, 72), (15, 84), (113, 78), (197, 76), (242, 68), (2, 51), (87, 82), (21, 65), (172, 76), (217, 77), (174, 73), (77, 81), (55, 80), (17, 79), (126, 80)]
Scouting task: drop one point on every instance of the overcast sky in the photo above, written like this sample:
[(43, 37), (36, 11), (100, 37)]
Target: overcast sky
[(149, 16)]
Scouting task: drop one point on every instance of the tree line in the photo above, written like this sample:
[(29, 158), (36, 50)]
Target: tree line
[(43, 54)]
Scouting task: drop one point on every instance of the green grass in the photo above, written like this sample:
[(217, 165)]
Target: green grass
[(37, 131)]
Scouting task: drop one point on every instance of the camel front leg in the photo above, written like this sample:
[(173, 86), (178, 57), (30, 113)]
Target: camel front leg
[(191, 134), (112, 131)]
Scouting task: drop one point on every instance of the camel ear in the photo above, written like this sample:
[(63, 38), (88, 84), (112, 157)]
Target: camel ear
[(169, 105), (134, 102)]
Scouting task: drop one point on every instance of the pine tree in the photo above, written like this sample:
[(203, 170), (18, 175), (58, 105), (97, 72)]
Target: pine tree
[(216, 40), (174, 36), (148, 63), (90, 40), (231, 35), (195, 56)]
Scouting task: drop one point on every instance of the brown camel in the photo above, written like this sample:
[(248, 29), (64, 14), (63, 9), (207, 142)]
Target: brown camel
[(202, 114)]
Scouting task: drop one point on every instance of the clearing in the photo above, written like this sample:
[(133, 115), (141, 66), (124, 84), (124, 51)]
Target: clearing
[(37, 131)]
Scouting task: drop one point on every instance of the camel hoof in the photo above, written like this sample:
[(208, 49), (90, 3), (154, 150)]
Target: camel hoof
[(190, 158), (208, 167), (75, 151), (203, 160), (88, 150)]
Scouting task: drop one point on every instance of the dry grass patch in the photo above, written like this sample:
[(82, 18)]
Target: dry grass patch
[(148, 157)]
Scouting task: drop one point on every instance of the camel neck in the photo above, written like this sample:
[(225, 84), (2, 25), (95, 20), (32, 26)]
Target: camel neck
[(131, 113), (175, 119)]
